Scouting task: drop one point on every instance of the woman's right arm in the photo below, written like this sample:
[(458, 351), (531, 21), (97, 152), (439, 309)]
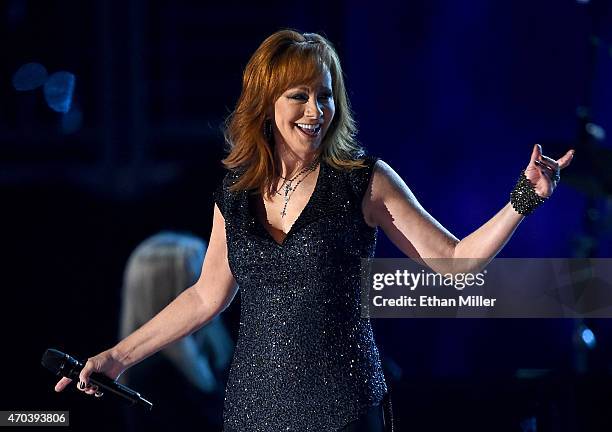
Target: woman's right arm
[(192, 309)]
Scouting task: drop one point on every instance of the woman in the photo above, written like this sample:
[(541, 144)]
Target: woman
[(298, 209), (185, 378)]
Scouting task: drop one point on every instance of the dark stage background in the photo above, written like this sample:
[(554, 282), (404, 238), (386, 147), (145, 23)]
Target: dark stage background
[(451, 94)]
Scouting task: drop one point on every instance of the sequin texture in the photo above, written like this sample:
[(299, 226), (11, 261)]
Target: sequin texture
[(305, 360), (523, 197)]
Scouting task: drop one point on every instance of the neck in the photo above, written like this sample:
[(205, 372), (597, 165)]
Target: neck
[(290, 162)]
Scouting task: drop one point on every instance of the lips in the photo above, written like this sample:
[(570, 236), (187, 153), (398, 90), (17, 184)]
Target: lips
[(311, 130)]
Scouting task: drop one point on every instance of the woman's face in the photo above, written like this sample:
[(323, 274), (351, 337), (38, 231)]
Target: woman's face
[(302, 114)]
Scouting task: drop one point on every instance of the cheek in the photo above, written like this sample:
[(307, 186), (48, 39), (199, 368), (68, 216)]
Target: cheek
[(288, 116), (331, 113)]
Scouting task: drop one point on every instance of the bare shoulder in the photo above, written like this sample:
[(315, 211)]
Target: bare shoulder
[(385, 186), (385, 181)]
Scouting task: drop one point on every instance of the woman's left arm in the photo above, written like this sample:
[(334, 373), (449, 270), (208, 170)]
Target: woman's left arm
[(390, 204)]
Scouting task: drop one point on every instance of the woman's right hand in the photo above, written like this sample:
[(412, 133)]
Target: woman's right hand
[(104, 363)]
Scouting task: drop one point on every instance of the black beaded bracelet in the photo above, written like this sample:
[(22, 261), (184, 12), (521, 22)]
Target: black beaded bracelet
[(523, 197)]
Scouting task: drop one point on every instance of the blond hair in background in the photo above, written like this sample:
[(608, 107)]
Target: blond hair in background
[(157, 271)]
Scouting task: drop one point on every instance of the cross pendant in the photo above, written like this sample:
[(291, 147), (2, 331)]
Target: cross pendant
[(286, 199)]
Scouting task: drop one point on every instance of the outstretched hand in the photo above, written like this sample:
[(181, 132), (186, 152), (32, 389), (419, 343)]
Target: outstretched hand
[(543, 171)]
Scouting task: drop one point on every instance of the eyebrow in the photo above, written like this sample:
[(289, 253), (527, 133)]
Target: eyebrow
[(304, 87)]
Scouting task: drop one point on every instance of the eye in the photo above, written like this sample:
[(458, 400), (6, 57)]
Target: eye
[(299, 96), (325, 96)]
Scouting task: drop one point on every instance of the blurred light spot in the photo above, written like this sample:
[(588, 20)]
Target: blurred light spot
[(588, 337), (593, 214), (529, 424), (29, 76), (583, 1), (596, 131), (72, 121), (58, 91), (582, 112)]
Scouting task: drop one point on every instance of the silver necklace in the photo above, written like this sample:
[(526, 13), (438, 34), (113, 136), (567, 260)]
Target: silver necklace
[(288, 189)]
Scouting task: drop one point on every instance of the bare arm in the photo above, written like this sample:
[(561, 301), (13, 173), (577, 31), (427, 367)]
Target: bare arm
[(486, 242), (390, 204), (192, 309)]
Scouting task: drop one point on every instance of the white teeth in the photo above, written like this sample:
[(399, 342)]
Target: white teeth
[(309, 126)]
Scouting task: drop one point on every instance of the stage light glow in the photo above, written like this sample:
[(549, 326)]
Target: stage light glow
[(588, 337), (72, 121), (596, 131), (29, 77), (58, 91), (529, 424)]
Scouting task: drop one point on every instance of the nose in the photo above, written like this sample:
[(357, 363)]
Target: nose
[(314, 109)]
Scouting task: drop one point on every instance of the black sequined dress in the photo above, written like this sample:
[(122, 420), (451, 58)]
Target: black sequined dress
[(305, 360)]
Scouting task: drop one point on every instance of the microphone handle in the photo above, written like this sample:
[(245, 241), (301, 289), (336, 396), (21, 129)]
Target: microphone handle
[(108, 384)]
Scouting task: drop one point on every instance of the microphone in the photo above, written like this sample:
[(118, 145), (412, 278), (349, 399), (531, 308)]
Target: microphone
[(64, 365)]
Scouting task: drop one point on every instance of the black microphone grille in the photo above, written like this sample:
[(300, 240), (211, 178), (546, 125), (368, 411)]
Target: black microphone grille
[(53, 360)]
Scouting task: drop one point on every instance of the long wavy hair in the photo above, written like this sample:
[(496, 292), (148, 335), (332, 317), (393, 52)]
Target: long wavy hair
[(285, 59)]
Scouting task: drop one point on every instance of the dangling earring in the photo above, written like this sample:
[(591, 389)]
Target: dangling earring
[(267, 130)]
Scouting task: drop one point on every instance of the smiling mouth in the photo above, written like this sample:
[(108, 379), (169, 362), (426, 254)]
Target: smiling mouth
[(311, 130)]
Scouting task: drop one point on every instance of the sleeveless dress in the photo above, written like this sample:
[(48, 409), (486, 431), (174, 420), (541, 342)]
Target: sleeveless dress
[(305, 360)]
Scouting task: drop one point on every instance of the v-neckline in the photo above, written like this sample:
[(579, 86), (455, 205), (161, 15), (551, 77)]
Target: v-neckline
[(300, 217)]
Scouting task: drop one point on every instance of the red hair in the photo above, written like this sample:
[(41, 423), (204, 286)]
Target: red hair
[(285, 59)]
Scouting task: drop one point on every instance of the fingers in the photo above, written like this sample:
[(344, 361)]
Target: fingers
[(85, 373), (550, 162), (62, 384), (547, 171), (547, 166), (84, 385), (537, 156), (550, 174), (536, 153), (566, 159), (90, 389), (543, 161)]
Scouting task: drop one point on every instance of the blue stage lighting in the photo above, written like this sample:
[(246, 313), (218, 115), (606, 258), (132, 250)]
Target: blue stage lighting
[(72, 121), (588, 337), (58, 91), (29, 76)]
